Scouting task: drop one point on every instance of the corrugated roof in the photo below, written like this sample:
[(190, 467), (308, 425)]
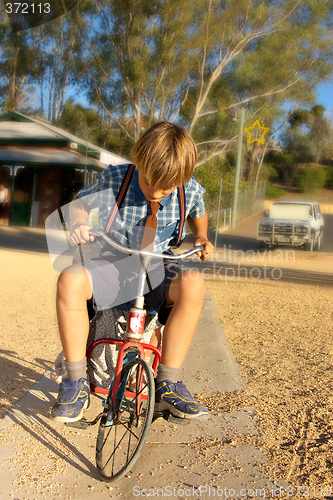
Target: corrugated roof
[(16, 126), (41, 157), (24, 130)]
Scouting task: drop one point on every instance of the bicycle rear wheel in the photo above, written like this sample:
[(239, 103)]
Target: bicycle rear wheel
[(122, 431)]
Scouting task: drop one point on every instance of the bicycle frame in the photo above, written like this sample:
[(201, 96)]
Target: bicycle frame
[(136, 319)]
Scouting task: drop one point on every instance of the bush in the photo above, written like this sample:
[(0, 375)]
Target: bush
[(309, 179), (273, 192), (329, 178), (269, 173), (209, 176)]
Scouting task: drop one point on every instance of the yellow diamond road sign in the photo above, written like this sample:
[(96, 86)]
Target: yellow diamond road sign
[(256, 132)]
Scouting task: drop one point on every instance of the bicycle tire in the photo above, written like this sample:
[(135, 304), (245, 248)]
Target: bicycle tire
[(115, 453)]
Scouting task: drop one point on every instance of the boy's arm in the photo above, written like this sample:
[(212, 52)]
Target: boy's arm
[(199, 228), (79, 212)]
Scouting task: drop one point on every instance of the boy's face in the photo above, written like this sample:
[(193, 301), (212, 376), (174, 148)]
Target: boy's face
[(153, 194)]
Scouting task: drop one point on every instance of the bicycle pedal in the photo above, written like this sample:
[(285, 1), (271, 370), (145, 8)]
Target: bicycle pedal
[(177, 420), (170, 418), (158, 414), (79, 424)]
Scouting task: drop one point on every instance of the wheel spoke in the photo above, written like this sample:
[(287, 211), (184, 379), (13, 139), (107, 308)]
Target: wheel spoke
[(122, 442), (114, 448)]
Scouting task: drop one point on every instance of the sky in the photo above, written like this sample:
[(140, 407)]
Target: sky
[(325, 97)]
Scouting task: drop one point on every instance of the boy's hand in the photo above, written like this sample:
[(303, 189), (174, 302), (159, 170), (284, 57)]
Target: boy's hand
[(208, 250), (80, 234)]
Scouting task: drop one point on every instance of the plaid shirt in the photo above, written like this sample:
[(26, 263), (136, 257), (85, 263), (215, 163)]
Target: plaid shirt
[(129, 223)]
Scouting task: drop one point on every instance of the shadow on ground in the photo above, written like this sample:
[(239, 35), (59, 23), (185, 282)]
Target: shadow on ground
[(25, 375), (25, 239)]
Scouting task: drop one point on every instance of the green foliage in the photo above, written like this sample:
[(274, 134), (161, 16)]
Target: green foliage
[(193, 62), (311, 178), (298, 145), (80, 121), (309, 136), (274, 192), (329, 178), (284, 164), (269, 173), (209, 176)]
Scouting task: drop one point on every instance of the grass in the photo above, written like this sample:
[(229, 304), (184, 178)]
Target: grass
[(274, 192), (319, 195), (292, 193)]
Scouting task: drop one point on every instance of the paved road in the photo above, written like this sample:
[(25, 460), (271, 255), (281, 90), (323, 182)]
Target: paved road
[(25, 239), (229, 272), (244, 236)]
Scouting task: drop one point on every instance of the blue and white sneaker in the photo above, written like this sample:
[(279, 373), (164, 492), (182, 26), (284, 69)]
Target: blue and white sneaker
[(176, 398), (72, 400)]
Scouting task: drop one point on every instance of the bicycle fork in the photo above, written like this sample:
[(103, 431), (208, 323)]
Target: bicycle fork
[(134, 333)]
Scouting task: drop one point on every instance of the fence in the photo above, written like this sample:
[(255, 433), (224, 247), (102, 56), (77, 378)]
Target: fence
[(223, 216), (249, 202)]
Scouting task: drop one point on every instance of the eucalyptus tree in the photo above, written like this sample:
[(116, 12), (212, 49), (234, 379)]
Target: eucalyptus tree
[(195, 62), (59, 44), (17, 64), (269, 59), (198, 61), (309, 137)]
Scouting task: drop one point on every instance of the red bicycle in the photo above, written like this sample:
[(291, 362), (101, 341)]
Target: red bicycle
[(129, 406)]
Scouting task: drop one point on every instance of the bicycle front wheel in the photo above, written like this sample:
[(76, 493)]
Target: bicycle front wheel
[(123, 431)]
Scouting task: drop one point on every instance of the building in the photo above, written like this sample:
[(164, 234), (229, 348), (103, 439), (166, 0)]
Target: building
[(43, 166)]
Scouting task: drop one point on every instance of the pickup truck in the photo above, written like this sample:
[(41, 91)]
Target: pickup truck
[(292, 223)]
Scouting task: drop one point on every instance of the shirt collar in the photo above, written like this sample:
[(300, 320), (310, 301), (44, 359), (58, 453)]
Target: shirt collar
[(167, 200)]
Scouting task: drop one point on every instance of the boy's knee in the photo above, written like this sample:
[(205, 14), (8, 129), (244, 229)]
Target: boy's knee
[(194, 283), (74, 279)]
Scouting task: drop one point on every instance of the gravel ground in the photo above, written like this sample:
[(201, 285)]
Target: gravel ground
[(28, 329), (280, 333)]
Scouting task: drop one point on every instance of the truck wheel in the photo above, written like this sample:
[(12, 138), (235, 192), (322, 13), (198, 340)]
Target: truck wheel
[(308, 246), (262, 246), (317, 244)]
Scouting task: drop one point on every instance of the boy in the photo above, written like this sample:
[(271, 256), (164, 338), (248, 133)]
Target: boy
[(164, 158)]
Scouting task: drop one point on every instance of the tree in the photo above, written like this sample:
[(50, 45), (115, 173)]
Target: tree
[(43, 59), (87, 123), (309, 133), (197, 61), (17, 68), (59, 44)]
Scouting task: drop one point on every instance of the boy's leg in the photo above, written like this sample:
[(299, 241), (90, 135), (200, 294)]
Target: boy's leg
[(73, 291), (186, 294)]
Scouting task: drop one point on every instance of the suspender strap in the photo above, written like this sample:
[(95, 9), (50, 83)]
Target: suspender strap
[(182, 213), (120, 196)]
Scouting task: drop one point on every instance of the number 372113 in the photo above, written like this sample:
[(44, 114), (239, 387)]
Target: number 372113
[(28, 8)]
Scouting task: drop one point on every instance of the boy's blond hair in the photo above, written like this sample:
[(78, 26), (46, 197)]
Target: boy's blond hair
[(165, 155)]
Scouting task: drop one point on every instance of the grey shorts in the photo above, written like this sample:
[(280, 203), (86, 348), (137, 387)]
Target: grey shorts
[(115, 280)]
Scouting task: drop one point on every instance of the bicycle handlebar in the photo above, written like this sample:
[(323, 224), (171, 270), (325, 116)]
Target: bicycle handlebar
[(145, 253)]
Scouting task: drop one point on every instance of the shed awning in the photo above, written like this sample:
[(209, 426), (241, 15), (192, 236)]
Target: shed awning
[(47, 157)]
